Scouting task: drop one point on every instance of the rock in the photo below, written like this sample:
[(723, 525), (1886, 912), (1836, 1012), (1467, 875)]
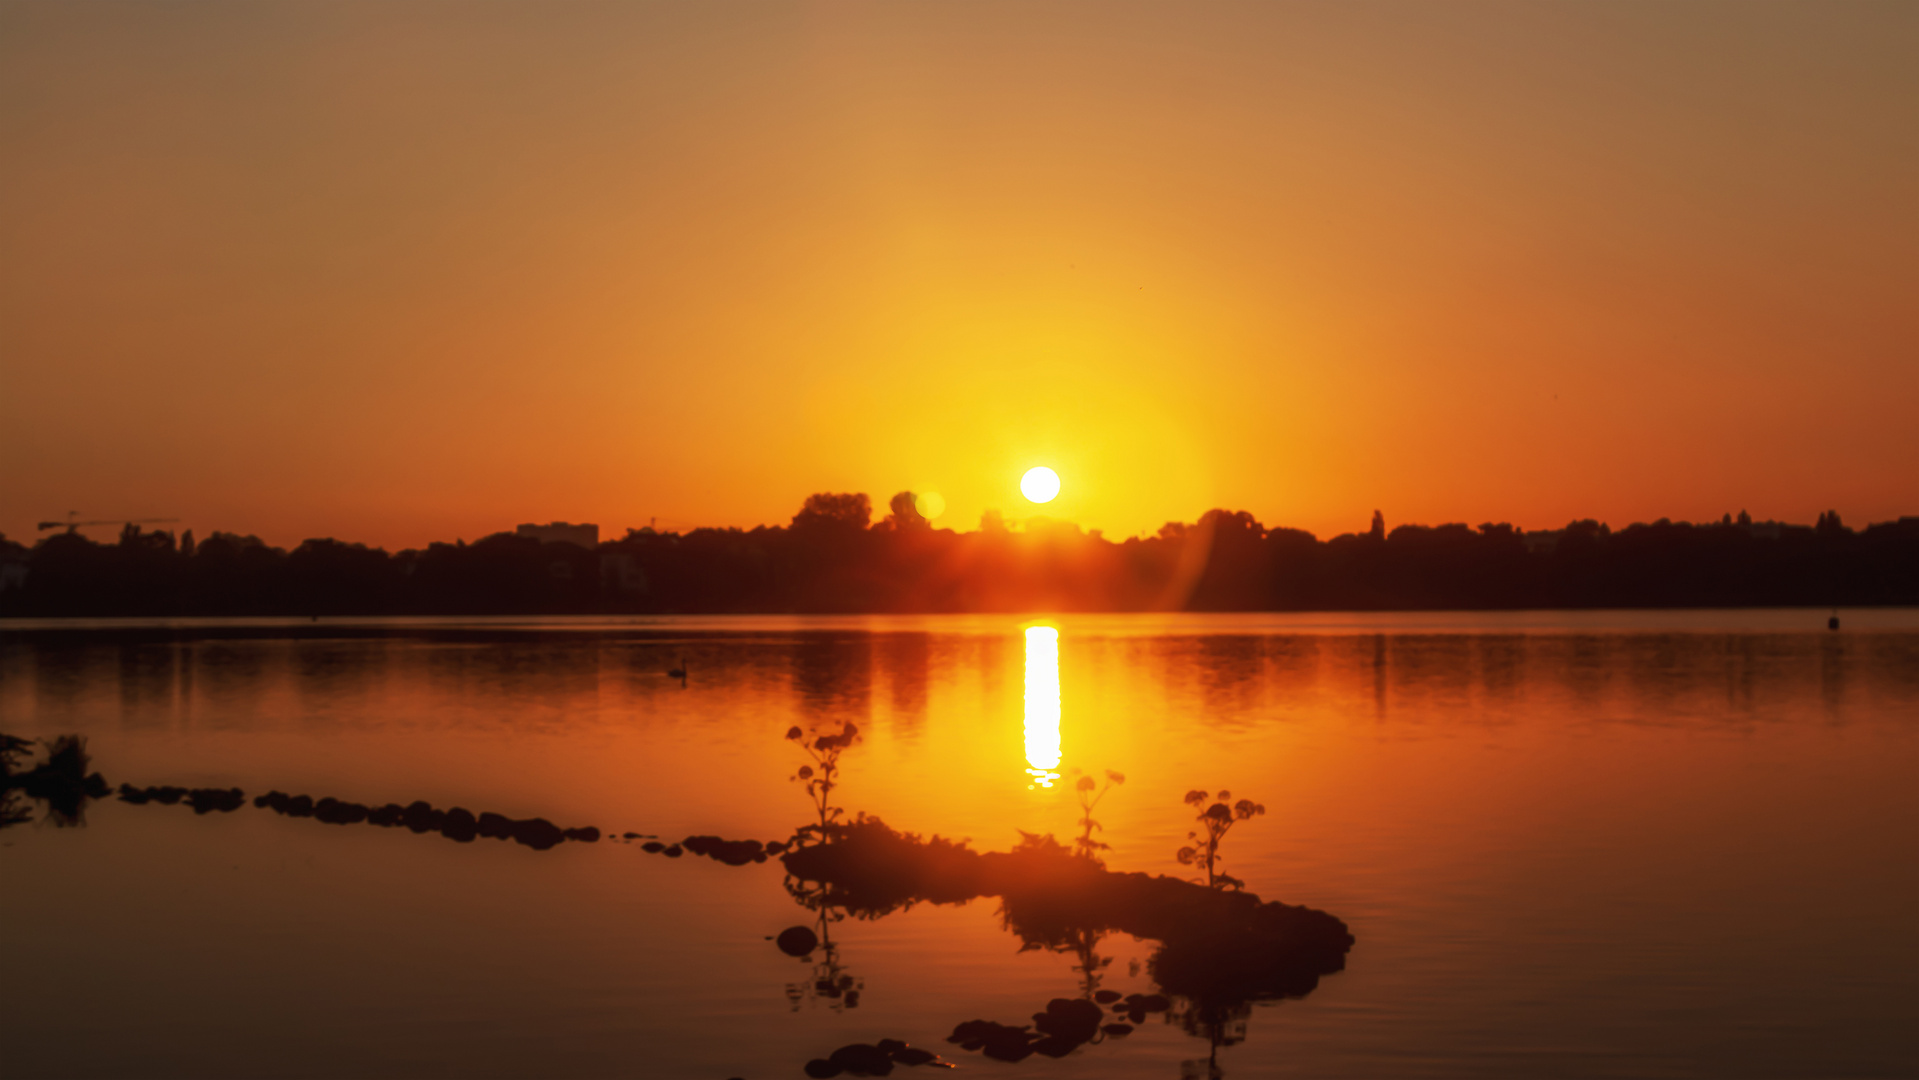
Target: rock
[(673, 852), (334, 812), (459, 825), (387, 816), (207, 800), (1106, 997), (538, 834), (774, 847), (797, 940), (1073, 1020), (1116, 1030), (862, 1059), (730, 852), (495, 826), (653, 847), (422, 818), (913, 1055), (821, 1069), (1008, 1050), (998, 1041), (299, 806), (586, 834), (1053, 1046)]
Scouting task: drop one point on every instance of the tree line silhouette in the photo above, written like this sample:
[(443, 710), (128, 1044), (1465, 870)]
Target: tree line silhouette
[(832, 557)]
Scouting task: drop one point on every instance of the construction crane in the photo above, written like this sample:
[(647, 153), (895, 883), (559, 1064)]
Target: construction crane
[(73, 524)]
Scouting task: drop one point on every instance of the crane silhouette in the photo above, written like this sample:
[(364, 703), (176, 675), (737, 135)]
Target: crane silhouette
[(73, 522)]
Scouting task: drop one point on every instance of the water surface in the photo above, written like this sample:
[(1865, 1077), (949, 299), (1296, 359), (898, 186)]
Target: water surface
[(1583, 844)]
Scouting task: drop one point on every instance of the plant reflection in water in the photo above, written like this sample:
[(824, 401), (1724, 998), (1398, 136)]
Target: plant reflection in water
[(828, 981), (1220, 948)]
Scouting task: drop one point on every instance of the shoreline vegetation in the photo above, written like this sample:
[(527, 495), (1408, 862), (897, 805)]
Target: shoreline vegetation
[(833, 558)]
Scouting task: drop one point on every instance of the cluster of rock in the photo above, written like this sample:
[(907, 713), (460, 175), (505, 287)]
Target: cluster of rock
[(730, 852), (1065, 1025), (872, 1059), (1133, 1006), (203, 800), (457, 824), (1216, 945)]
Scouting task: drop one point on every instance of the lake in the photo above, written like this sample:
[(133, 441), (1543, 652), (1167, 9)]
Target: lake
[(1566, 844)]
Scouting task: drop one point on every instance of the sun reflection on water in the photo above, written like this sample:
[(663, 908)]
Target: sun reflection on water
[(1042, 705)]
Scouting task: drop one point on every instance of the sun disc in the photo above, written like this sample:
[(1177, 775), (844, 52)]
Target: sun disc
[(1040, 484)]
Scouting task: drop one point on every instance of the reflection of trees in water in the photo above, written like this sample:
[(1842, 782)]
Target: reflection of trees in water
[(908, 664)]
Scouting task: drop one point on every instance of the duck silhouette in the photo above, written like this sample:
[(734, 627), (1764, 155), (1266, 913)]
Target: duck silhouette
[(678, 672)]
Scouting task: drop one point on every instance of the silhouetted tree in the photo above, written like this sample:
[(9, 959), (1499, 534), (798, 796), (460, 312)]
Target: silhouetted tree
[(839, 512), (830, 559)]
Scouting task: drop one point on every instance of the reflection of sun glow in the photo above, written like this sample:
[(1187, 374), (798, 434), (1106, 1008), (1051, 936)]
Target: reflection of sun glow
[(1042, 704), (1040, 484)]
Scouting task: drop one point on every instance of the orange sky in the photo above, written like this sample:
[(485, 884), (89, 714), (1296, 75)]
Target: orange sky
[(405, 272)]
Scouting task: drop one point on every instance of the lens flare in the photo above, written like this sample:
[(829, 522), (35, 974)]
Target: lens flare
[(1040, 484), (930, 504), (1042, 705)]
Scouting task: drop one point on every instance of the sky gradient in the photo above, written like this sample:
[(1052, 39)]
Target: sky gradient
[(397, 273)]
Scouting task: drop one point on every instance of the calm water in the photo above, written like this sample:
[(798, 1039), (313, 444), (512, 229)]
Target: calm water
[(1608, 844)]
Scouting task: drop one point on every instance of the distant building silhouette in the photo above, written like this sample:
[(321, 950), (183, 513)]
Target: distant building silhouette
[(1378, 531), (560, 532)]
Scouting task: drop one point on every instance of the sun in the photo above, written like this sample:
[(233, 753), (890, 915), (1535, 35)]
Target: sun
[(1040, 484)]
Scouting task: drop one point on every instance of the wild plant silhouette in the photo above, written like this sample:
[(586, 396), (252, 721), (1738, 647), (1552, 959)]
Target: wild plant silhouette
[(13, 751), (1215, 822), (62, 782), (1089, 793), (821, 777)]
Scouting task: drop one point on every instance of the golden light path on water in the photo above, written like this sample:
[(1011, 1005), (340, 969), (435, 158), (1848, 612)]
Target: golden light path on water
[(1042, 705)]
